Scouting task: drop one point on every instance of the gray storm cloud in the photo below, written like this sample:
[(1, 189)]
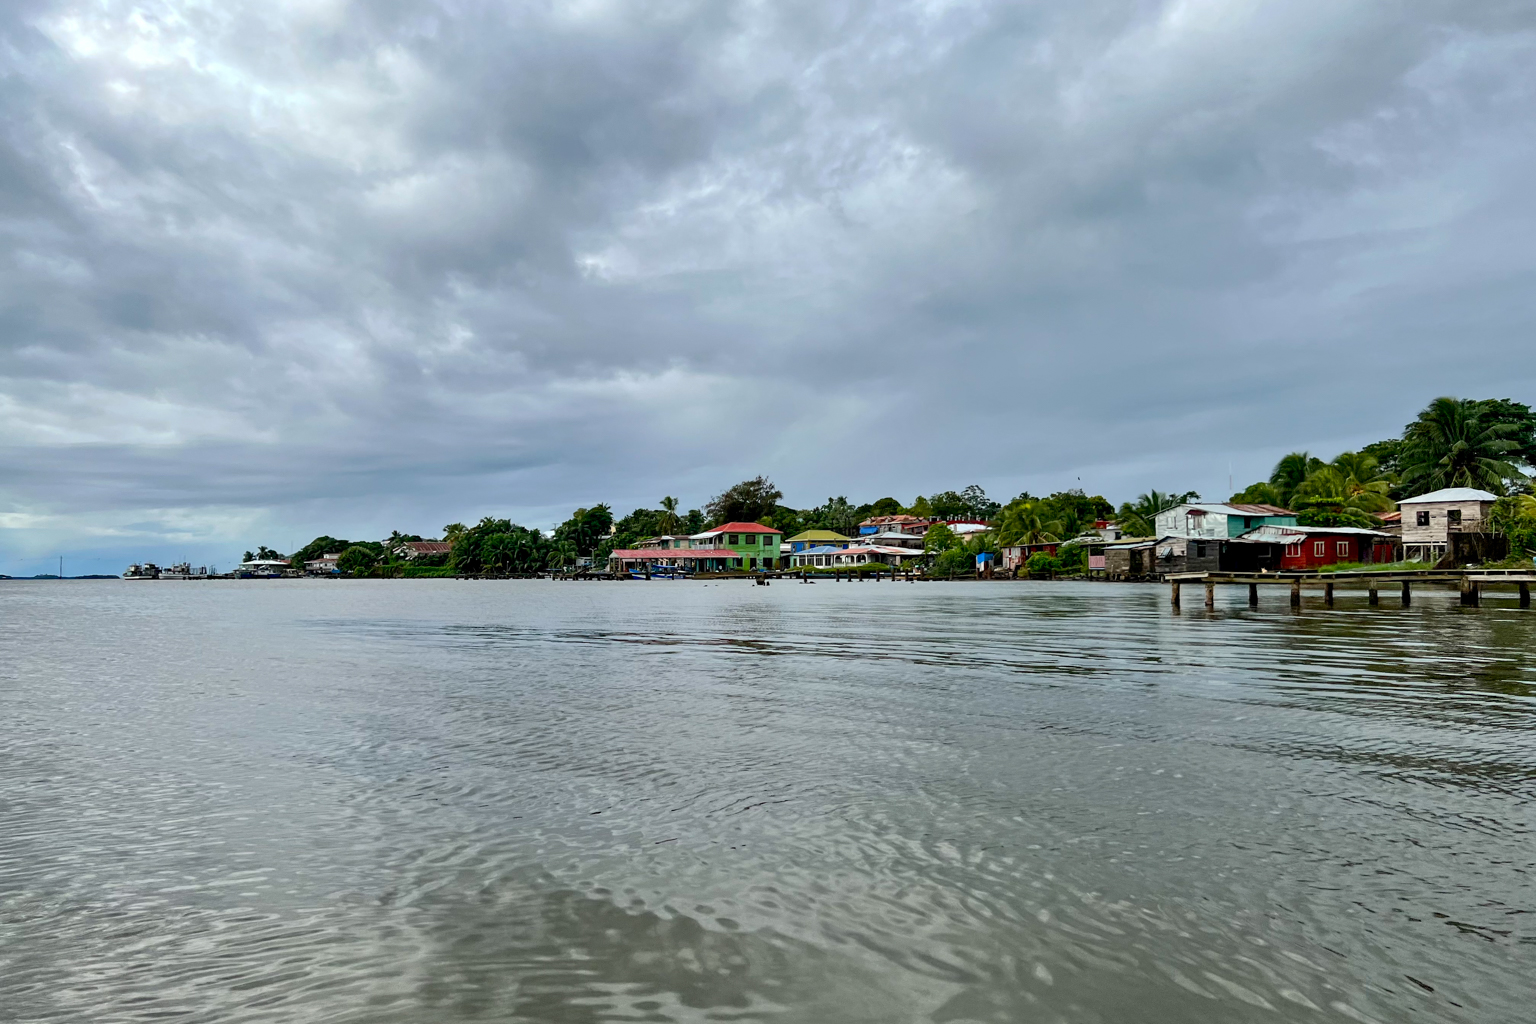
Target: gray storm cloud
[(329, 266)]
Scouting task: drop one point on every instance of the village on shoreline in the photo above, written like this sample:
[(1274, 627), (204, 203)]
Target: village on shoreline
[(1454, 490)]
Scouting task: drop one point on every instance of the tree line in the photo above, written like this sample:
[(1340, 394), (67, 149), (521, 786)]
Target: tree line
[(1488, 444)]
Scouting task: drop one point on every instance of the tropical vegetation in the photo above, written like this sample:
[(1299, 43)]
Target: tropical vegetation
[(1488, 444)]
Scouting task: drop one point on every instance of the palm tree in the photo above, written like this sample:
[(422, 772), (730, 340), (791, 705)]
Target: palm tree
[(1139, 518), (1290, 472), (1350, 481), (1450, 445), (1021, 524), (669, 517)]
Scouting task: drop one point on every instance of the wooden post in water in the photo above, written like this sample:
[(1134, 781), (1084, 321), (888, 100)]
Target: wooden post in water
[(1296, 593), (1468, 592), (1210, 595), (1328, 594), (1253, 595), (1525, 595), (1174, 592), (1374, 596), (1407, 594)]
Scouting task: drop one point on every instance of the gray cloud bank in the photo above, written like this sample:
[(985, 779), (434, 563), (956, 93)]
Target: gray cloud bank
[(278, 267)]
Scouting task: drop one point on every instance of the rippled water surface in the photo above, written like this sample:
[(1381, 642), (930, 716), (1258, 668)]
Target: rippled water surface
[(528, 801)]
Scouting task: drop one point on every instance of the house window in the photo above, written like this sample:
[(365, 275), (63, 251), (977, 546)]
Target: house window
[(750, 538), (733, 539), (1341, 549), (1319, 548), (1293, 550), (1200, 550), (1453, 516), (1421, 518)]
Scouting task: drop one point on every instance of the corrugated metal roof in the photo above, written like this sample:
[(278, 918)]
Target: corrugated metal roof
[(1452, 494), (1261, 510), (1273, 534), (818, 535)]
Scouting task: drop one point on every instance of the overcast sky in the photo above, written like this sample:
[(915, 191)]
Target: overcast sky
[(279, 268)]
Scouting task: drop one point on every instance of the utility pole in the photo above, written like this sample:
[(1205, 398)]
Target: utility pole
[(61, 567)]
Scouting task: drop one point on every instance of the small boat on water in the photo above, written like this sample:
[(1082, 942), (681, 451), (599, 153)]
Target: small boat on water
[(661, 572)]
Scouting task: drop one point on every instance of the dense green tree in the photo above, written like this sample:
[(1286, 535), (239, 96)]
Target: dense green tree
[(357, 560), (694, 522), (1386, 454), (938, 539), (322, 545), (1520, 419), (1351, 481), (746, 502), (586, 529), (1452, 444), (836, 514), (1290, 473), (885, 507), (1029, 522), (952, 562), (641, 524), (1514, 517), (500, 546), (921, 507), (971, 503)]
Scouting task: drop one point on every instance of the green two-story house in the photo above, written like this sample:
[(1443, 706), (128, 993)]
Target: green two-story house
[(756, 546)]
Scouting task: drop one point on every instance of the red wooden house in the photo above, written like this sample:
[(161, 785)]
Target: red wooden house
[(1308, 547)]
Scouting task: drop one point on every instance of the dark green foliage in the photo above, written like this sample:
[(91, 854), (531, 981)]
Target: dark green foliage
[(500, 546), (1074, 511), (1290, 473), (746, 502), (1462, 443), (1041, 565), (939, 539), (1521, 421), (885, 507), (694, 522), (357, 560), (1514, 517), (971, 503), (641, 524), (955, 561), (1386, 453), (322, 545), (586, 528), (837, 514), (1073, 559)]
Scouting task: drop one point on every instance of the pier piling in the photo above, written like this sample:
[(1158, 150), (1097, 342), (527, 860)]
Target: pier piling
[(1296, 593), (1328, 594), (1175, 593), (1253, 595), (1525, 595), (1210, 595), (1407, 594)]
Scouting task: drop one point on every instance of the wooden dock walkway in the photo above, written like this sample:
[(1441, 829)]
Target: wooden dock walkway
[(1470, 582)]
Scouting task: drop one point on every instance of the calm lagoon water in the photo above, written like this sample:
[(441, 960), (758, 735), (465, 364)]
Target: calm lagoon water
[(445, 801)]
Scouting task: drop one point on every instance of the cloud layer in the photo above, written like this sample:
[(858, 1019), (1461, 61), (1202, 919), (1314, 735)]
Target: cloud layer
[(304, 266)]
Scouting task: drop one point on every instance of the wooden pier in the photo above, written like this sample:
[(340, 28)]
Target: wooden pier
[(1470, 582)]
